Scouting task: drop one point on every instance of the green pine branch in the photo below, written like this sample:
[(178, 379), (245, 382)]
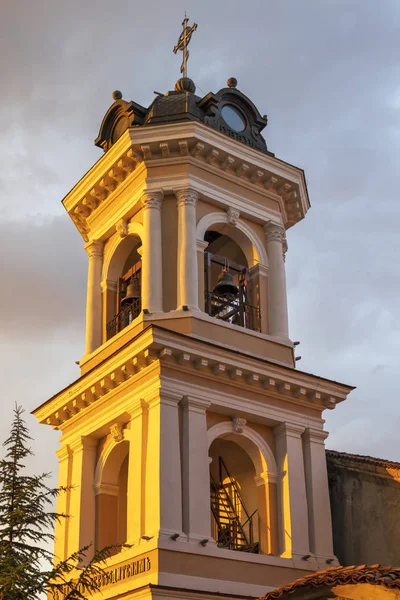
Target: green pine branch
[(27, 520)]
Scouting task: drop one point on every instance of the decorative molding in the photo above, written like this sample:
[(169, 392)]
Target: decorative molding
[(186, 197), (233, 216), (150, 199), (238, 424), (295, 387), (121, 227), (117, 432)]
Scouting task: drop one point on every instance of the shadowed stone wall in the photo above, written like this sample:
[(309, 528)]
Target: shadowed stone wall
[(365, 503)]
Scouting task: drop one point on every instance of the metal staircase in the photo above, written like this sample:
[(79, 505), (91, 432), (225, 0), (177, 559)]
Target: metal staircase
[(235, 526)]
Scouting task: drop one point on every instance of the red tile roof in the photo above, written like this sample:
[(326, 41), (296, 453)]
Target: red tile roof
[(370, 460), (376, 574)]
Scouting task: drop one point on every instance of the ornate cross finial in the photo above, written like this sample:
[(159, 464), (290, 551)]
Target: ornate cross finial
[(183, 43)]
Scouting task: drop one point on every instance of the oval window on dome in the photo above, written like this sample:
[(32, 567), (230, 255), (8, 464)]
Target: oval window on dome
[(233, 118)]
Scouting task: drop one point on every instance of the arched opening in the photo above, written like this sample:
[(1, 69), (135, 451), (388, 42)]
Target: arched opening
[(229, 290), (123, 286), (111, 499), (234, 501)]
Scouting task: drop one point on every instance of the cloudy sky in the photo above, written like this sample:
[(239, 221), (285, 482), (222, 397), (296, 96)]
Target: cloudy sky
[(327, 73)]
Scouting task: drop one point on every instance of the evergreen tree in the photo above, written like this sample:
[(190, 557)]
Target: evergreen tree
[(26, 527)]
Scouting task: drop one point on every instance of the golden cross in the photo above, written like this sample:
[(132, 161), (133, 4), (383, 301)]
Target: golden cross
[(183, 43)]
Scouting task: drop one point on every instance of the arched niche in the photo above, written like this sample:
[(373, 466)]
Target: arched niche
[(249, 460), (111, 486), (221, 240), (122, 252)]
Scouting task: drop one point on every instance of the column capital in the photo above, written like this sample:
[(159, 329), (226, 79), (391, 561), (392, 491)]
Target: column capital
[(265, 478), (152, 199), (109, 284), (195, 404), (274, 233), (257, 270), (84, 442), (316, 435), (186, 196), (137, 408), (201, 245), (289, 430), (94, 249), (63, 453)]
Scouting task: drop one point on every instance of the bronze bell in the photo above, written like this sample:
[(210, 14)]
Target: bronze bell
[(132, 292), (225, 286)]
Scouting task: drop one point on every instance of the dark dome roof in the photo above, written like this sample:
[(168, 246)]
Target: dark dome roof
[(228, 111)]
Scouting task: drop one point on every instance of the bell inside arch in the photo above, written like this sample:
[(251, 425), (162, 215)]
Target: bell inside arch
[(225, 286), (132, 292)]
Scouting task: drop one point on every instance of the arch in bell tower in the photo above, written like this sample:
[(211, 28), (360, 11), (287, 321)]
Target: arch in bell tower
[(240, 232), (111, 480), (122, 261), (243, 488)]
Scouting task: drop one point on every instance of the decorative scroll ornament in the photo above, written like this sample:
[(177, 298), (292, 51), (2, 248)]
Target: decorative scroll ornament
[(238, 424), (117, 432), (233, 216), (186, 196), (121, 228)]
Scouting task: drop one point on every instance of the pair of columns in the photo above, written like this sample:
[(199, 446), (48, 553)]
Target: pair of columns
[(304, 505), (173, 496)]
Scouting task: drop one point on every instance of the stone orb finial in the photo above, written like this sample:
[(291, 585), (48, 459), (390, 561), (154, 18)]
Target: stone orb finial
[(185, 84), (232, 82), (117, 95)]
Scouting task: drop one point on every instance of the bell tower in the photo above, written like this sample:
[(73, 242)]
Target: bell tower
[(190, 436)]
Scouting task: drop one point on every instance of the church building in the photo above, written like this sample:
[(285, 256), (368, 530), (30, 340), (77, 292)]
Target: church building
[(191, 441)]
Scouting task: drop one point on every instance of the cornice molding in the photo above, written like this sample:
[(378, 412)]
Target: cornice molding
[(168, 143)]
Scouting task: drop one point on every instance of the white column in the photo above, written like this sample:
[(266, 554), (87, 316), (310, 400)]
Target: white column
[(136, 472), (82, 504), (187, 273), (94, 295), (64, 455), (152, 252), (163, 493), (277, 300), (319, 508), (292, 491), (195, 470)]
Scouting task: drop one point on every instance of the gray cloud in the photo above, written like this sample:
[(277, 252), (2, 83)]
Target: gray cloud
[(327, 75)]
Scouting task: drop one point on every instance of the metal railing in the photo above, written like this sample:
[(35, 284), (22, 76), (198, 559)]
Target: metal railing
[(233, 311), (234, 523), (124, 318)]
